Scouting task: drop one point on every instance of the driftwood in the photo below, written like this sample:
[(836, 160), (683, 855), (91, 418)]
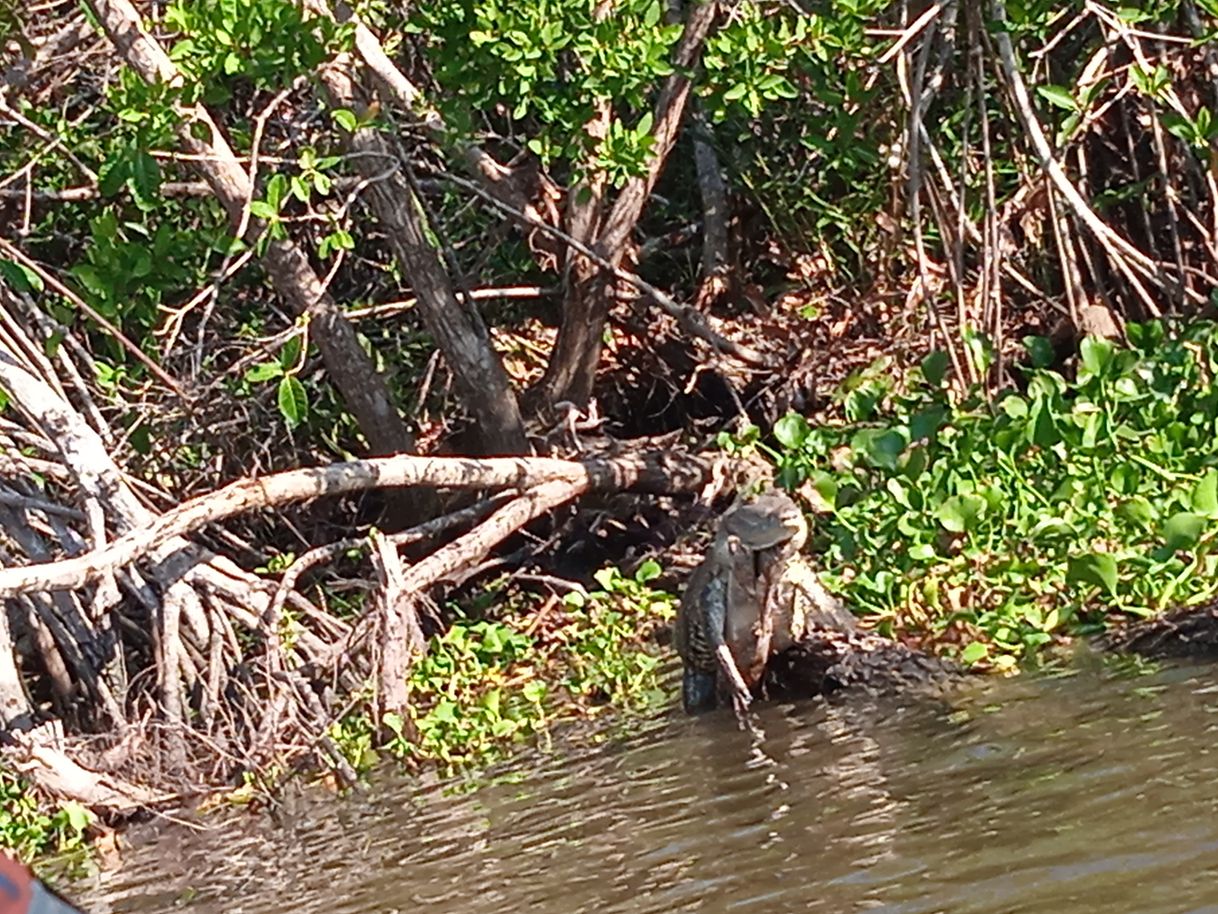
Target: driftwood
[(657, 471)]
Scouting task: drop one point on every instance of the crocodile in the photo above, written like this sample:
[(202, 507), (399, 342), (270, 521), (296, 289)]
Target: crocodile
[(755, 619)]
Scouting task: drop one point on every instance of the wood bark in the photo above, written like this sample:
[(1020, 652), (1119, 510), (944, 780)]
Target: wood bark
[(654, 471), (401, 637), (571, 372), (715, 265), (456, 326), (352, 371)]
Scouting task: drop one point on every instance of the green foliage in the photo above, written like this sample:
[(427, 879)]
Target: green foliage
[(550, 64), (802, 125), (486, 686), (468, 695), (129, 267), (1044, 512), (29, 829), (266, 43), (604, 661)]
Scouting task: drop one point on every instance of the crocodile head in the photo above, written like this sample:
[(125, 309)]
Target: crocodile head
[(751, 538)]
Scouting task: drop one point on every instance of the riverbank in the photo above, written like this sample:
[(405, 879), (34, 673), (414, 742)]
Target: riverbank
[(990, 532)]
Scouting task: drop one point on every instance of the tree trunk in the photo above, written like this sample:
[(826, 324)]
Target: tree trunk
[(349, 367), (456, 326), (571, 373)]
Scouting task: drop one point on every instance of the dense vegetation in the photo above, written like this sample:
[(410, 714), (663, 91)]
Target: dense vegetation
[(941, 263)]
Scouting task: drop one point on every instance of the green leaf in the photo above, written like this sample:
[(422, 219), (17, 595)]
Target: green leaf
[(263, 210), (394, 722), (1043, 431), (1098, 568), (293, 403), (79, 817), (1183, 530), (289, 355), (927, 423), (791, 431), (534, 691), (345, 119), (1059, 96), (1015, 406), (113, 174), (960, 513), (975, 652), (934, 367), (264, 371), (1137, 510), (20, 277), (1040, 351), (1096, 354), (882, 447), (648, 571), (1205, 496), (144, 180)]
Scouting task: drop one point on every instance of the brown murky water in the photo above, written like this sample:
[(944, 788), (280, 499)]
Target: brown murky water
[(1086, 792)]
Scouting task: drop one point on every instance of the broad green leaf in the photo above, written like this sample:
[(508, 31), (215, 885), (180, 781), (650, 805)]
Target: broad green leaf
[(791, 431), (79, 817), (974, 653), (293, 403), (1043, 430), (1096, 354), (1015, 406), (883, 448), (1205, 496), (1137, 510), (1183, 530), (1098, 568), (927, 423), (648, 571), (1040, 351), (960, 513), (934, 367)]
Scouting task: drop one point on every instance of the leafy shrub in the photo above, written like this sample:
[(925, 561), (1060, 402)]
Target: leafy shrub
[(1047, 511), (486, 686)]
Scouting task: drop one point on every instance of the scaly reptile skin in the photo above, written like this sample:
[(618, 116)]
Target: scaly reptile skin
[(697, 632)]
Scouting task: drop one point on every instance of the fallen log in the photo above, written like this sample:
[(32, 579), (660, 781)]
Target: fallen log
[(656, 471)]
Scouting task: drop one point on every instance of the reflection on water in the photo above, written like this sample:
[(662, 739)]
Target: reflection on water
[(1086, 792)]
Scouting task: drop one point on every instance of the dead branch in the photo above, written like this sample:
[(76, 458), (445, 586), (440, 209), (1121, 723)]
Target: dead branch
[(1131, 262), (654, 471)]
